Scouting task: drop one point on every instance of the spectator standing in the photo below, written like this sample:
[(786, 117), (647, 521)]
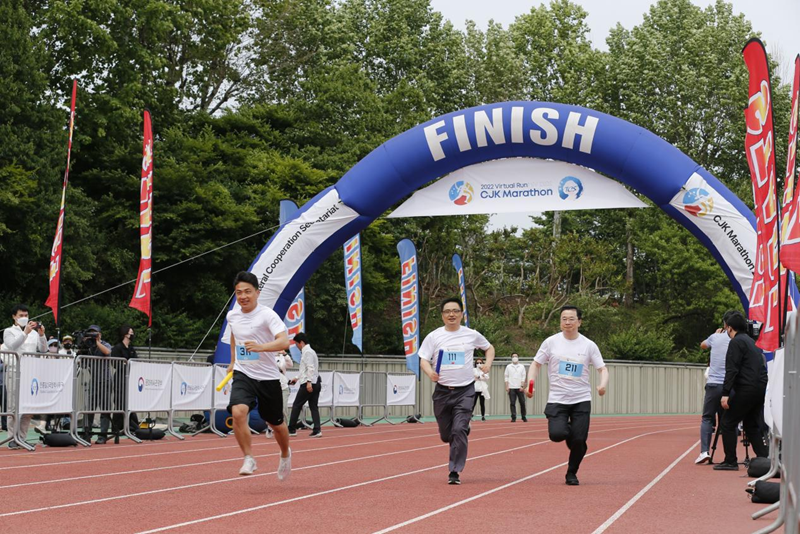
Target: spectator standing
[(481, 388), (100, 386), (712, 409), (310, 387), (743, 392), (515, 384), (123, 349), (23, 336)]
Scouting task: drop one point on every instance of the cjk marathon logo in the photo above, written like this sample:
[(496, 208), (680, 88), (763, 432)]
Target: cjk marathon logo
[(461, 193), (46, 388), (698, 202), (141, 383), (346, 389), (570, 188), (34, 387)]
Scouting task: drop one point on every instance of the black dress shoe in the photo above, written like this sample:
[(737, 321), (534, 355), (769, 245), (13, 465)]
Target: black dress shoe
[(725, 466), (572, 479)]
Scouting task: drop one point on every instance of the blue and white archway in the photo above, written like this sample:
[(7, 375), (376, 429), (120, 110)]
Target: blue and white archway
[(581, 136)]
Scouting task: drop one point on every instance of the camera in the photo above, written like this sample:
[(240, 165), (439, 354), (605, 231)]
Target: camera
[(753, 329), (84, 340)]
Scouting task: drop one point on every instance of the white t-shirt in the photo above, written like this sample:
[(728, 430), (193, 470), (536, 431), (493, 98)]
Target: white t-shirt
[(458, 348), (515, 375), (260, 325), (568, 367)]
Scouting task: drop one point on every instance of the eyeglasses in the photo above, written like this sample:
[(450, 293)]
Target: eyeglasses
[(451, 312), (569, 319)]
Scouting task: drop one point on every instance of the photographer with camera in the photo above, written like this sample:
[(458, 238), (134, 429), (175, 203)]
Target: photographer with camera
[(23, 336), (123, 349), (743, 392), (90, 343)]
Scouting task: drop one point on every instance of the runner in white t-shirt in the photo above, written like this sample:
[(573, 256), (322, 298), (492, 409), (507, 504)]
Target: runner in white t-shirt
[(256, 336), (568, 356), (454, 393)]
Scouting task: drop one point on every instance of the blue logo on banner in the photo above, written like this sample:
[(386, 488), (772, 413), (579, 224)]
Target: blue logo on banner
[(141, 383), (183, 388), (34, 387), (570, 188), (395, 389), (341, 389)]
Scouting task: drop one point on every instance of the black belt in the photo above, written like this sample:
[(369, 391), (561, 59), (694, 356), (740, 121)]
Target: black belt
[(454, 388)]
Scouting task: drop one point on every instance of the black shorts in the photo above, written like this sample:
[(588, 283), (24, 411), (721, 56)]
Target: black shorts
[(266, 394)]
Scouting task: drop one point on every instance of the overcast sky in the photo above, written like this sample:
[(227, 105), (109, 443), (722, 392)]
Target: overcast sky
[(777, 20)]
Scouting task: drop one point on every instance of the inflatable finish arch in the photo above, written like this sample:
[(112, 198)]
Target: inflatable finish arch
[(616, 148)]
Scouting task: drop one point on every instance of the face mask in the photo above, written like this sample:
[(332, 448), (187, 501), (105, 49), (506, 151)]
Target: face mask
[(514, 360), (22, 322), (131, 337), (67, 346), (52, 348)]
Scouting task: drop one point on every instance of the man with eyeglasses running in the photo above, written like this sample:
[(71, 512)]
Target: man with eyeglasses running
[(569, 404), (454, 393)]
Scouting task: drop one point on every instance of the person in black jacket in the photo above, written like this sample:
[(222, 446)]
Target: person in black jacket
[(743, 392), (123, 349)]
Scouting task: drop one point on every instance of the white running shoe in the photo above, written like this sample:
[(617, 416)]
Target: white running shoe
[(285, 467), (703, 458), (269, 433), (249, 466)]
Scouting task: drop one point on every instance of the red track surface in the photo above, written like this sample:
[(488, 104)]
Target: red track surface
[(382, 479)]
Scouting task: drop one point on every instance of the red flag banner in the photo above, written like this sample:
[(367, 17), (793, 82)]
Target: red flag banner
[(141, 296), (790, 229), (759, 146), (53, 301)]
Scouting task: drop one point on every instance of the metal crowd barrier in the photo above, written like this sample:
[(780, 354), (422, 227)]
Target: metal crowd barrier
[(192, 389), (149, 390), (786, 458), (345, 392), (395, 387), (373, 394), (98, 388), (220, 399), (10, 396)]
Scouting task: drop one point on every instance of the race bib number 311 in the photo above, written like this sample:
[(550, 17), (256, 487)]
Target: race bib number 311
[(243, 356)]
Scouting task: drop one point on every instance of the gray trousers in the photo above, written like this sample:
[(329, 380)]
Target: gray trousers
[(453, 411), (711, 408)]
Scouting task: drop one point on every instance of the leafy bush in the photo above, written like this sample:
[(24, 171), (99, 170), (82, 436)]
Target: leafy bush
[(639, 344)]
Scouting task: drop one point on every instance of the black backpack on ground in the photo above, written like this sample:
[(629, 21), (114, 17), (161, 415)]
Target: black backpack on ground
[(149, 433), (765, 492), (348, 423), (59, 439), (759, 467)]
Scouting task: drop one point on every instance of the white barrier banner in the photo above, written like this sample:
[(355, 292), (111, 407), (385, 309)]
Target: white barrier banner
[(191, 387), (346, 389), (149, 386), (326, 393), (401, 390), (773, 403), (221, 398), (45, 385), (291, 375)]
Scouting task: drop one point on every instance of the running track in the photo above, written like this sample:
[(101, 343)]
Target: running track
[(639, 476)]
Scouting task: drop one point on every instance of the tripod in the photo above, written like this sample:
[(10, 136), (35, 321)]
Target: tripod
[(745, 442)]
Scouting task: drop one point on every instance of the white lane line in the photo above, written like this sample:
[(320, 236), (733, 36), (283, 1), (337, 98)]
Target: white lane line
[(610, 521), (148, 455), (513, 435), (515, 482), (374, 481), (237, 458), (241, 478)]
